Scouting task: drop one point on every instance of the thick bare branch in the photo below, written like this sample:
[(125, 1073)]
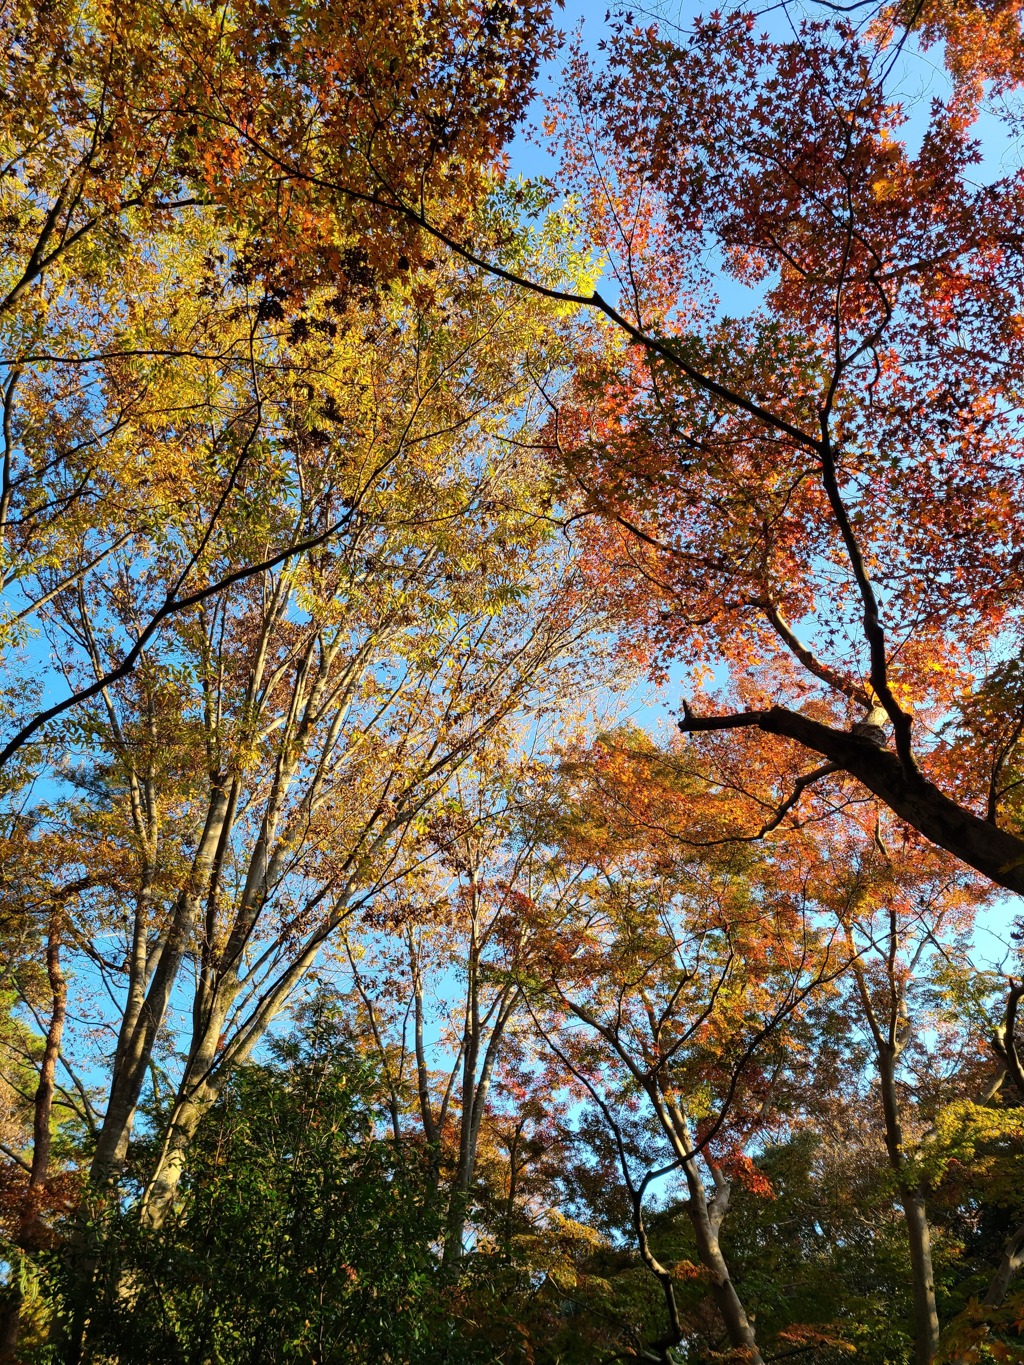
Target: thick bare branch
[(908, 793)]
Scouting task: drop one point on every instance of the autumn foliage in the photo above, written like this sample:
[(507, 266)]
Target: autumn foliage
[(382, 979)]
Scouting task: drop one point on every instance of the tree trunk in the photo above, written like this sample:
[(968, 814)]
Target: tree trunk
[(1013, 1259), (214, 1057), (458, 1198), (738, 1327), (142, 1024), (475, 1090), (47, 1082), (189, 1112), (10, 1321), (926, 1315), (140, 1028), (706, 1219), (200, 1085)]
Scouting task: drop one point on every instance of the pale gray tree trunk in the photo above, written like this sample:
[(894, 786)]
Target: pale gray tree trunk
[(1013, 1259), (706, 1215), (889, 1041)]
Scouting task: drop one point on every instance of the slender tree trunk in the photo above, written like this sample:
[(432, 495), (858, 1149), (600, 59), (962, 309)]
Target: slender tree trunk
[(1013, 1259), (10, 1322), (144, 1020), (926, 1316), (890, 1036), (475, 1090), (661, 1273), (139, 1031), (189, 1112), (706, 1216), (212, 1061), (738, 1327), (919, 1240), (198, 1090), (43, 1114), (458, 1198), (458, 1208)]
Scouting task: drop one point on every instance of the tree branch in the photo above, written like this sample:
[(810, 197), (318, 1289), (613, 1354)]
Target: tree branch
[(991, 851)]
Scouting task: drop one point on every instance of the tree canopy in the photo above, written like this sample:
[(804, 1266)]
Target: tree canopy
[(399, 406)]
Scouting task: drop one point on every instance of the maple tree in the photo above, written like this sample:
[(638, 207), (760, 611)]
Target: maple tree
[(865, 480), (822, 492), (905, 919), (669, 979), (886, 929), (622, 946)]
